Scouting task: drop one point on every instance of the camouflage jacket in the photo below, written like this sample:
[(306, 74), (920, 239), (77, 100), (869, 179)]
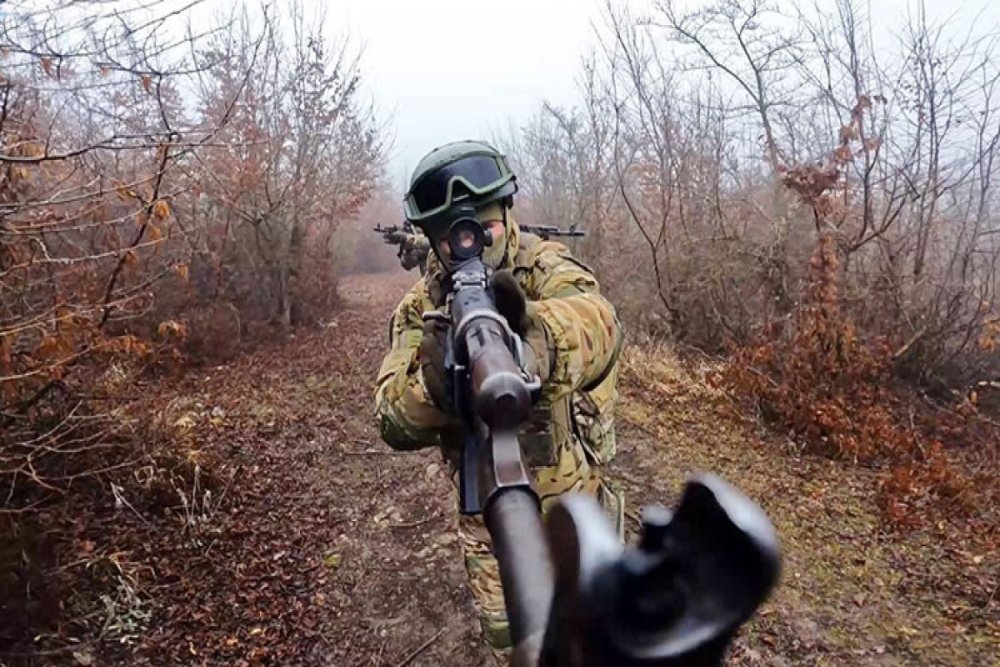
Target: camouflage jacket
[(413, 251), (571, 431)]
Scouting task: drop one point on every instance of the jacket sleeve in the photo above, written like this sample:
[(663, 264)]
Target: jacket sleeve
[(407, 417), (581, 325)]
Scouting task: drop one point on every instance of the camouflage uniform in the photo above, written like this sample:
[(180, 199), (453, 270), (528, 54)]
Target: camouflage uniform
[(413, 252), (570, 435)]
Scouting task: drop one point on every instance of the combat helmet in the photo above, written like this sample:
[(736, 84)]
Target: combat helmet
[(459, 173)]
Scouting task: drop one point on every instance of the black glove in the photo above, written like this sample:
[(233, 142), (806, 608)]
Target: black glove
[(510, 301), (432, 363), (519, 313)]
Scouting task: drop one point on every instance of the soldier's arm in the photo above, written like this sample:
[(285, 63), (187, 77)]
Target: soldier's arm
[(407, 417), (581, 325)]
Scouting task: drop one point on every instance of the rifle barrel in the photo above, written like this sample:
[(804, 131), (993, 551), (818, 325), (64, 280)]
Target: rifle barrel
[(546, 231), (522, 551)]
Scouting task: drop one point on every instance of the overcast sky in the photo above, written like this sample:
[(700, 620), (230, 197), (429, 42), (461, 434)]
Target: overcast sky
[(458, 69), (444, 70)]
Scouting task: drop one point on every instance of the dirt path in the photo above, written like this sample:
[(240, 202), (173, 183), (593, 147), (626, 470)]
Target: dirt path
[(320, 546), (330, 549)]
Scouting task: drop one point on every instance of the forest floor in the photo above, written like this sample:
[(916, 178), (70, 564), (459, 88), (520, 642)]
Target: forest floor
[(308, 541)]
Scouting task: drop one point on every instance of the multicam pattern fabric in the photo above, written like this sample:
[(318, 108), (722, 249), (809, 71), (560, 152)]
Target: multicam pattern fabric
[(571, 433), (413, 251)]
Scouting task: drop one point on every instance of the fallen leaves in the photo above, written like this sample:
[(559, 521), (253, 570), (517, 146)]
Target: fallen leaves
[(303, 561), (186, 421)]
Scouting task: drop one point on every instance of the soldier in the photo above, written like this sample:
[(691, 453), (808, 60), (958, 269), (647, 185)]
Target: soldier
[(572, 333), (413, 252), (413, 248)]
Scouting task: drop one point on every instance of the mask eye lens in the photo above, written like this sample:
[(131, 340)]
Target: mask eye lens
[(466, 238)]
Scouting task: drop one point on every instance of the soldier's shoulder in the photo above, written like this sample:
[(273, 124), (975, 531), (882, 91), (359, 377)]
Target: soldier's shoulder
[(548, 255), (531, 247), (417, 242), (417, 298)]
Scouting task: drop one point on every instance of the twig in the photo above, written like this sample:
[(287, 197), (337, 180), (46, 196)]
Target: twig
[(414, 524), (369, 452), (761, 375), (21, 510), (119, 496), (232, 478), (420, 649), (642, 427)]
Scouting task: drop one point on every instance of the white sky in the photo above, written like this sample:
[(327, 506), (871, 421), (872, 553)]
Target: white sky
[(460, 69), (445, 70)]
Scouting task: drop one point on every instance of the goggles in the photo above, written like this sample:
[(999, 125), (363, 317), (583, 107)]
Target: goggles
[(474, 176)]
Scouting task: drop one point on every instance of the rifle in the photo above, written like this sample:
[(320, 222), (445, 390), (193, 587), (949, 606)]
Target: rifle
[(411, 253), (575, 597), (547, 231), (391, 234)]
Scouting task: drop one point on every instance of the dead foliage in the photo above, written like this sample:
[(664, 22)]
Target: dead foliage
[(162, 203), (835, 391)]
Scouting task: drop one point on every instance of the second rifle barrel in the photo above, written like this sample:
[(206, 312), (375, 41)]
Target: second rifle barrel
[(522, 551)]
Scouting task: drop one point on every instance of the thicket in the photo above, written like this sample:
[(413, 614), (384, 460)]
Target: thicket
[(834, 391), (814, 196), (167, 184), (675, 165)]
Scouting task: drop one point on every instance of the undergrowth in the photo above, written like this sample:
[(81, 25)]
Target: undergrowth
[(813, 376), (836, 394)]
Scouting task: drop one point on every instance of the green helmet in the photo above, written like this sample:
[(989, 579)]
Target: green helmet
[(460, 173)]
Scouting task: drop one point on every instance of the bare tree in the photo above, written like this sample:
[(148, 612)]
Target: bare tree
[(301, 154), (92, 134), (124, 208), (750, 44), (904, 144)]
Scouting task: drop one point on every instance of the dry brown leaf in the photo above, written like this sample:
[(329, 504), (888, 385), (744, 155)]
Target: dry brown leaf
[(161, 209)]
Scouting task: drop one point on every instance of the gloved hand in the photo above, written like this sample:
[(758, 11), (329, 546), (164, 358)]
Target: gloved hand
[(432, 363), (510, 301), (519, 313)]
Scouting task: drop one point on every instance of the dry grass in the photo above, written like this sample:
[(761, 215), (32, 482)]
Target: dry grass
[(854, 590)]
